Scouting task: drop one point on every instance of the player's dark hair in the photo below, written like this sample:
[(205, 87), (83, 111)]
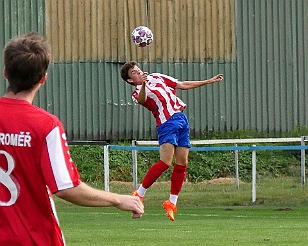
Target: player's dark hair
[(125, 68), (26, 60)]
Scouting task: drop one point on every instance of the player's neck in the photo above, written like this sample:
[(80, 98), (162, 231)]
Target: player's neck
[(23, 95)]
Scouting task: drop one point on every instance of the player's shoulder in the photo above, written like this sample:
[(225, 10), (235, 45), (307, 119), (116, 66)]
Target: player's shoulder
[(44, 112), (44, 117), (156, 75), (26, 110), (162, 76)]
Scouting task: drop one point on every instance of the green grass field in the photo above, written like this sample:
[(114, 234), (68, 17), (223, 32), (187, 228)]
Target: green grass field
[(208, 214)]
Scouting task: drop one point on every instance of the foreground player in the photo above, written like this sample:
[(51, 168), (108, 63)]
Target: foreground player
[(157, 92), (34, 155)]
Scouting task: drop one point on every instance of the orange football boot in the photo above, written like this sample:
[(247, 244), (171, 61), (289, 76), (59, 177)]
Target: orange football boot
[(170, 209)]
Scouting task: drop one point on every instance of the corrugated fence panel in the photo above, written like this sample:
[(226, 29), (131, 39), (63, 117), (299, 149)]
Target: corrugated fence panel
[(192, 30), (184, 30), (271, 57), (94, 30)]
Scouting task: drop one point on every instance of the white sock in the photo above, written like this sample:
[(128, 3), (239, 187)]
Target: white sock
[(141, 191), (173, 199)]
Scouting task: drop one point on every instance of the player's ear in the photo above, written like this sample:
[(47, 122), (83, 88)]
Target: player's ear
[(43, 79), (130, 81), (5, 73)]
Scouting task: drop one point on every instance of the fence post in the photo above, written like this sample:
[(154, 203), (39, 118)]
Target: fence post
[(134, 158), (236, 168), (254, 174), (303, 160), (106, 167)]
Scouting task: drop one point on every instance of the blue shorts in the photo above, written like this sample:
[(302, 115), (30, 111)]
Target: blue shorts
[(175, 131)]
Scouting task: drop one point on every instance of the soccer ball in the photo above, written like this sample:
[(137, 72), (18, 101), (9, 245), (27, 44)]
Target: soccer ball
[(142, 36)]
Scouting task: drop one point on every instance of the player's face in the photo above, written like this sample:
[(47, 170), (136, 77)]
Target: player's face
[(135, 75)]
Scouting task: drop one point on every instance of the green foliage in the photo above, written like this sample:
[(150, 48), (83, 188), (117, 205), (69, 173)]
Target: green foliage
[(89, 161), (202, 165), (120, 165), (213, 164)]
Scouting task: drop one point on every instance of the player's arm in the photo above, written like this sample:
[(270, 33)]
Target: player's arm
[(84, 195), (142, 97), (186, 85)]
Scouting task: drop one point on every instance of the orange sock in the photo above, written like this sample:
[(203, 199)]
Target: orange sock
[(153, 174)]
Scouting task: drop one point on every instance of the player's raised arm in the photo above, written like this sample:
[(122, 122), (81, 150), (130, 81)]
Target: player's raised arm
[(142, 94), (187, 85)]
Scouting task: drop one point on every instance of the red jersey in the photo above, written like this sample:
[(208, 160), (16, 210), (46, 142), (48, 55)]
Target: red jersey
[(161, 97), (34, 162)]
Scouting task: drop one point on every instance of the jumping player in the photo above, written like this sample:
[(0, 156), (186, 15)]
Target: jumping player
[(157, 93), (34, 156)]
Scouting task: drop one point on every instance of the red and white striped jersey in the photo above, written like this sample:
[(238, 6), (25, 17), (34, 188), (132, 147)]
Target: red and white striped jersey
[(34, 159), (161, 97)]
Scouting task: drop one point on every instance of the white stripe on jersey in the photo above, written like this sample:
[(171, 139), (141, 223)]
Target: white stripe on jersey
[(163, 92), (160, 108), (57, 159)]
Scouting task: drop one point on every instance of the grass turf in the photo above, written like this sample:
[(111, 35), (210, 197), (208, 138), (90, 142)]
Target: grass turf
[(208, 214)]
